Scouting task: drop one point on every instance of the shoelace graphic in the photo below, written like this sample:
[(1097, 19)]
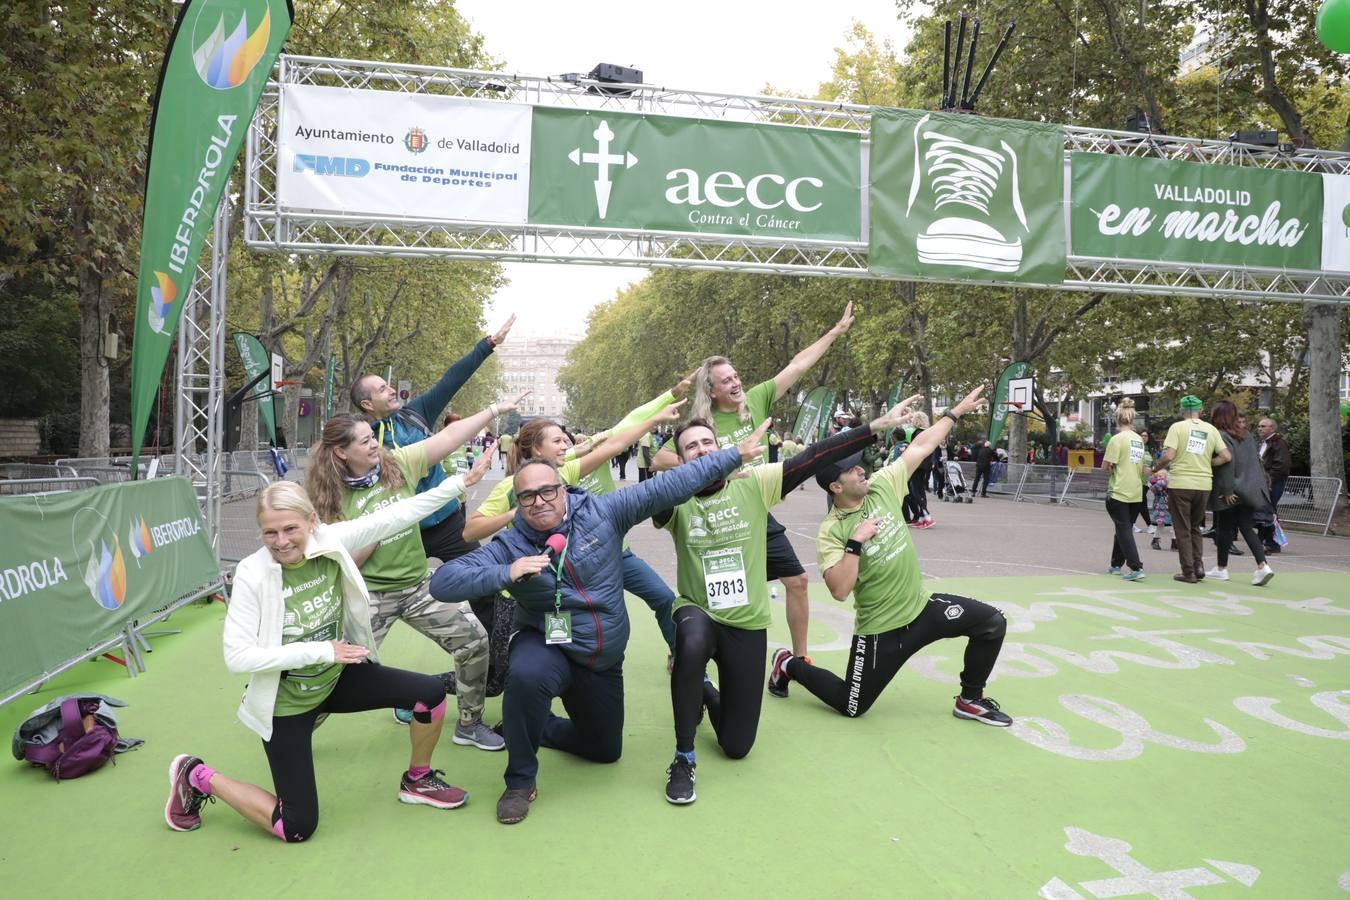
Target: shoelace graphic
[(962, 173)]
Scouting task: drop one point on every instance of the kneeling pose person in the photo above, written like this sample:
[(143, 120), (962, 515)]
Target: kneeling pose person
[(299, 624), (864, 548)]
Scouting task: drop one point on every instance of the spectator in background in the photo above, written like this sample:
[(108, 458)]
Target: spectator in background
[(1274, 452), (984, 461), (1239, 492), (1192, 449)]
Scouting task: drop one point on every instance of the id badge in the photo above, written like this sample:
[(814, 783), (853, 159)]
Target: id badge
[(1195, 441), (724, 579), (558, 628)]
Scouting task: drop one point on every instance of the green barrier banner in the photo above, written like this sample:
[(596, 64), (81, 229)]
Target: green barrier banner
[(664, 173), (256, 361), (1153, 209), (963, 197), (78, 566), (999, 402), (808, 417), (216, 65), (826, 414)]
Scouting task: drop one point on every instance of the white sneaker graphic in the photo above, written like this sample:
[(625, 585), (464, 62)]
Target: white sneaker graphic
[(965, 176)]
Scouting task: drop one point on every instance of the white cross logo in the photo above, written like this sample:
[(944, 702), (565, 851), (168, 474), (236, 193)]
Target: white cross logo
[(603, 159), (1136, 879)]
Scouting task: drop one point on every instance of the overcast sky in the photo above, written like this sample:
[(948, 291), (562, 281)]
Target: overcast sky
[(725, 47)]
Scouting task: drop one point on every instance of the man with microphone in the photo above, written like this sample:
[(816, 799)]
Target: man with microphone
[(562, 563)]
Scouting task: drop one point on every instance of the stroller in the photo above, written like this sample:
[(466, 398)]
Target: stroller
[(955, 489)]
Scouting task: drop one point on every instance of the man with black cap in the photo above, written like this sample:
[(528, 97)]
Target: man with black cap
[(722, 594), (864, 548), (1191, 449)]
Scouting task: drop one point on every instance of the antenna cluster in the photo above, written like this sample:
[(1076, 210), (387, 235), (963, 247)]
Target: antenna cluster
[(951, 69)]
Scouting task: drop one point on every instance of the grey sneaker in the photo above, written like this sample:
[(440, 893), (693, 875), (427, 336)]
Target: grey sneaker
[(514, 804), (478, 735)]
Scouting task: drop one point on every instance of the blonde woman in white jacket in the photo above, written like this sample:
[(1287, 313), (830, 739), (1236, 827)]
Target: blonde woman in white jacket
[(299, 625)]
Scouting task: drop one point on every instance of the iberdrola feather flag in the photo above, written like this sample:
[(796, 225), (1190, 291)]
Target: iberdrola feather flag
[(218, 60)]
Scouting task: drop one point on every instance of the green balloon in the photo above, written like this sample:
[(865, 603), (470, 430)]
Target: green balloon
[(1333, 25)]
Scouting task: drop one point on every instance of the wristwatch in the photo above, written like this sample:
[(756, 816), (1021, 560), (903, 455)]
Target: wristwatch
[(953, 416)]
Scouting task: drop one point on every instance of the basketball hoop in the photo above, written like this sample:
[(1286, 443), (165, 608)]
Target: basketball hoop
[(287, 382)]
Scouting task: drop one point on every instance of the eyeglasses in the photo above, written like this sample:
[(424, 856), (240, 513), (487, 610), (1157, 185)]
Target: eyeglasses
[(548, 493)]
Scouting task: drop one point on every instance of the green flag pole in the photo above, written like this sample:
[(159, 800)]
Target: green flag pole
[(216, 65)]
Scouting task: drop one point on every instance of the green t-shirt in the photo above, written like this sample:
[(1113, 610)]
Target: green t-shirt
[(312, 594), (889, 591), (720, 544), (1125, 453), (728, 425), (399, 561), (1194, 443)]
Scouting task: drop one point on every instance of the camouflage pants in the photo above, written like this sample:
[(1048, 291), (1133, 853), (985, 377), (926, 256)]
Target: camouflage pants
[(452, 625)]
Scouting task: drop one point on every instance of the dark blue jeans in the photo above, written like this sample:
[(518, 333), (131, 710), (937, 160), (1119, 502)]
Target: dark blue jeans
[(593, 700), (640, 579)]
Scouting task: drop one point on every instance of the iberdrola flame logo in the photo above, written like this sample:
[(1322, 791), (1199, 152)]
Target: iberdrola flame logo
[(225, 61), (138, 539), (161, 301), (106, 575)]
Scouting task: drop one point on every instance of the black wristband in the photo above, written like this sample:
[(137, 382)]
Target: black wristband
[(956, 420), (854, 547)]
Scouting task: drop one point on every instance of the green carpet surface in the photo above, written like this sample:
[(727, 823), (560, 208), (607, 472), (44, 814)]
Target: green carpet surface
[(1171, 741)]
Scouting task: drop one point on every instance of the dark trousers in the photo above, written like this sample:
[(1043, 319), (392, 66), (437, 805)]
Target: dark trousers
[(290, 752), (622, 460), (1227, 524), (980, 475), (876, 658), (915, 504), (739, 655), (939, 478), (1188, 517), (644, 473), (593, 700), (1267, 532), (1123, 549)]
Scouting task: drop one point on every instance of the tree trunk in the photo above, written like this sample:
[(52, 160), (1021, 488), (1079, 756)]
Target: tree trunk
[(248, 425), (1323, 321), (94, 394), (1016, 425)]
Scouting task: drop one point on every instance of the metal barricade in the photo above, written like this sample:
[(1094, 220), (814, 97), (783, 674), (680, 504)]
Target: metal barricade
[(28, 487), (1043, 484), (1085, 486), (33, 470), (1310, 501)]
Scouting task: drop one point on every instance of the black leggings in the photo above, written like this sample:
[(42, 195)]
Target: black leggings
[(1124, 551), (290, 753), (915, 503), (739, 655), (1227, 524), (877, 658)]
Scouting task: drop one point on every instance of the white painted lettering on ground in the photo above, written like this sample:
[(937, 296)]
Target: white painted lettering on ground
[(1134, 878)]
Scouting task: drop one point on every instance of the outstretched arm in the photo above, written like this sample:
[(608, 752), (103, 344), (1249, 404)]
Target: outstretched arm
[(621, 438), (454, 435), (802, 362), (837, 446), (935, 436), (431, 404)]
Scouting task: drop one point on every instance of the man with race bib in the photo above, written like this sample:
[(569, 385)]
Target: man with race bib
[(1191, 450)]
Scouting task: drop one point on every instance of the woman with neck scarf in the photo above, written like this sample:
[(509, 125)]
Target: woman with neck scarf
[(351, 475)]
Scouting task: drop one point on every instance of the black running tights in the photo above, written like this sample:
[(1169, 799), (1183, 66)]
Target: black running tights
[(739, 655)]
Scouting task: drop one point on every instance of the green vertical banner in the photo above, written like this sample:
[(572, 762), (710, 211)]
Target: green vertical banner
[(955, 196), (329, 385), (826, 414), (808, 417), (256, 361), (896, 394), (999, 402), (77, 567), (215, 68)]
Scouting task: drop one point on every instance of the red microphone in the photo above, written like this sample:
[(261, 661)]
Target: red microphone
[(555, 544)]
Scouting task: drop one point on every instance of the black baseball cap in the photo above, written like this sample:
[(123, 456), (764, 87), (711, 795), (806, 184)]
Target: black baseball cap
[(830, 472)]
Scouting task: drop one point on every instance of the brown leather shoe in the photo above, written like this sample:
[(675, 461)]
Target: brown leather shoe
[(514, 804), (1188, 579)]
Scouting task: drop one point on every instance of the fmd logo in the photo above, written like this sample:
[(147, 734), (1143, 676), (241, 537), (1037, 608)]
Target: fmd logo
[(341, 166)]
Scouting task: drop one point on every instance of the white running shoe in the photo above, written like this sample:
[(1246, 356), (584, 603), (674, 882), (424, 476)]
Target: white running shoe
[(1137, 529), (1262, 575), (1153, 529), (1217, 574)]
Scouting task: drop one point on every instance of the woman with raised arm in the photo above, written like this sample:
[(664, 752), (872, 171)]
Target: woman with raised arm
[(299, 625)]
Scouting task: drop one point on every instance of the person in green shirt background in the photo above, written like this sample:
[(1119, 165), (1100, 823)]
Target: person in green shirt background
[(864, 549), (1126, 461), (720, 398), (1191, 450), (351, 475)]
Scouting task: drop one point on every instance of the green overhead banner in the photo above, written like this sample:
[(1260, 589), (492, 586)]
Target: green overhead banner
[(998, 417), (256, 361), (76, 567), (665, 173), (955, 196), (809, 416), (217, 62), (1165, 211)]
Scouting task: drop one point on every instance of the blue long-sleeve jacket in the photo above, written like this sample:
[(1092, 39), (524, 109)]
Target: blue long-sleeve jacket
[(592, 579), (415, 421)]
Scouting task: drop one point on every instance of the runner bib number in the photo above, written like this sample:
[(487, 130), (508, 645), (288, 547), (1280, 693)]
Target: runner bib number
[(1196, 440), (1136, 453), (724, 579)]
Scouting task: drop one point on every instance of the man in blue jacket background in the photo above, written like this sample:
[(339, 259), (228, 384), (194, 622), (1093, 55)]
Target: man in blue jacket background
[(562, 562)]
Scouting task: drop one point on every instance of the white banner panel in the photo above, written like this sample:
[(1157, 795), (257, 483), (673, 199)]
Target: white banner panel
[(410, 155), (1335, 223)]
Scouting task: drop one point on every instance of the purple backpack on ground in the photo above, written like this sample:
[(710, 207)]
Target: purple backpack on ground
[(71, 736)]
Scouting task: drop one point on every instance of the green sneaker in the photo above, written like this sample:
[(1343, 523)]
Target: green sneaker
[(1134, 575), (1114, 570)]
